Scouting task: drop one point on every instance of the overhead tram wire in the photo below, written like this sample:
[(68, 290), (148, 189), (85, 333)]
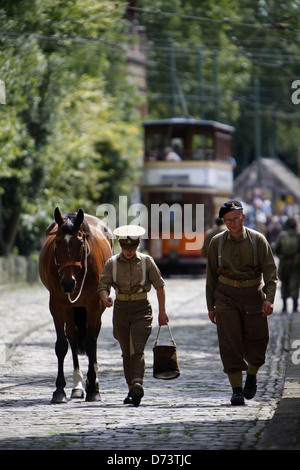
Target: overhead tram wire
[(261, 59), (225, 20)]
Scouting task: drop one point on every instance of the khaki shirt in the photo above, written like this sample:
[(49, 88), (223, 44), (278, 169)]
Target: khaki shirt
[(237, 263), (129, 275)]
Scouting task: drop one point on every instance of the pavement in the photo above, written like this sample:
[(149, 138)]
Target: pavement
[(177, 418), (283, 430)]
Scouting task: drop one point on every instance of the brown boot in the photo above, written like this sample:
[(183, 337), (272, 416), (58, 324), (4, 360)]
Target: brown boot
[(137, 394), (237, 398), (250, 386)]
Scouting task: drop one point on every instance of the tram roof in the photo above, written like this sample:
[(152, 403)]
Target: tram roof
[(181, 121)]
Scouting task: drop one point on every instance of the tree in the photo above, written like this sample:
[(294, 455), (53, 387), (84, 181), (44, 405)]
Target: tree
[(69, 129)]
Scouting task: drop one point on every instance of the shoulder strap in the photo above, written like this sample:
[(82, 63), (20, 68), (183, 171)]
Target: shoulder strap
[(255, 256), (220, 249), (114, 268)]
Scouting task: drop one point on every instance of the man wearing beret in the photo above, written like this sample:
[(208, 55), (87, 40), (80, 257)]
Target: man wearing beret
[(241, 283), (132, 274)]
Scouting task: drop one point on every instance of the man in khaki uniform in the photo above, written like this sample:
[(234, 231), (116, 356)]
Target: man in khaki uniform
[(132, 274), (238, 300)]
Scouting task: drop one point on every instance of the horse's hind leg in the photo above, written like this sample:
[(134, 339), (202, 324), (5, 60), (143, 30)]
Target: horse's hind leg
[(78, 390), (92, 385), (76, 332)]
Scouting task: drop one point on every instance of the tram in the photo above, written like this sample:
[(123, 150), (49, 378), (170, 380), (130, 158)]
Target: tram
[(187, 175)]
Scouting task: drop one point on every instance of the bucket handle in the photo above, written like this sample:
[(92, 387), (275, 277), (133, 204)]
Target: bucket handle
[(172, 339)]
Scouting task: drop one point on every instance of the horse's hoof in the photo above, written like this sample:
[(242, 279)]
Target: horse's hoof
[(58, 398), (77, 393), (93, 396)]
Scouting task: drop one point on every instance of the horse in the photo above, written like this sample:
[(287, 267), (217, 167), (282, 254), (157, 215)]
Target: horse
[(71, 261)]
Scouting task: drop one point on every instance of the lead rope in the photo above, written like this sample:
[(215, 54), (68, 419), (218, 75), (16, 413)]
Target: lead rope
[(87, 252)]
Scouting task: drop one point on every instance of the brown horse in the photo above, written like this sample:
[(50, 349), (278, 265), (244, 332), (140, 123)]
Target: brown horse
[(70, 265)]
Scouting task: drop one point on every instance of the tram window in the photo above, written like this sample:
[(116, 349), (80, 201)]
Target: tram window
[(203, 147), (156, 144), (154, 147)]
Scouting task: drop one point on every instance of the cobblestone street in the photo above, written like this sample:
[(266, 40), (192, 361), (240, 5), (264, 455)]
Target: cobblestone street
[(192, 412)]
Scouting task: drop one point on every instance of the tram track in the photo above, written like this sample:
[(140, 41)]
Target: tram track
[(10, 348)]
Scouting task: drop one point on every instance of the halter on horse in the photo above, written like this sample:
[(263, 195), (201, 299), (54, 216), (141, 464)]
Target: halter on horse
[(71, 261)]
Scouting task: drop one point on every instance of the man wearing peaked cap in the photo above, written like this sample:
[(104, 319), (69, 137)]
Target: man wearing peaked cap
[(241, 280), (129, 235), (132, 274)]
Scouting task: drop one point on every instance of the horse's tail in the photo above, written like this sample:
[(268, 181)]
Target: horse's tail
[(80, 323)]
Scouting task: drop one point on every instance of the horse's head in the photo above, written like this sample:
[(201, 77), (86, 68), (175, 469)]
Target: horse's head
[(69, 248)]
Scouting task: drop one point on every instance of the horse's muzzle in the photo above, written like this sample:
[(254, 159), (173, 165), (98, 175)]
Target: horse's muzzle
[(68, 285)]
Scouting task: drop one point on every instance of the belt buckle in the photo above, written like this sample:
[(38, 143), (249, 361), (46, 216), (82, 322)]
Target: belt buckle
[(238, 284)]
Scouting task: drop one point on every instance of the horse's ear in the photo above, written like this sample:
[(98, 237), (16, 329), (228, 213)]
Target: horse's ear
[(58, 217), (79, 219)]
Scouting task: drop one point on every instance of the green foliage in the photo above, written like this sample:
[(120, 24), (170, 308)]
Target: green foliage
[(70, 134)]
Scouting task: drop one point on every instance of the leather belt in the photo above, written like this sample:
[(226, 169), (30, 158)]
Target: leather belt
[(239, 284), (128, 297)]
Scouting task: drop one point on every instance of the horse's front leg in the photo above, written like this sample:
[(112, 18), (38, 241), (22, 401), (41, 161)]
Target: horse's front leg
[(61, 349), (92, 384)]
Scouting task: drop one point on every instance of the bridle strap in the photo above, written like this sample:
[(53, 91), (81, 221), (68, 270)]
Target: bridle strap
[(87, 252), (71, 263)]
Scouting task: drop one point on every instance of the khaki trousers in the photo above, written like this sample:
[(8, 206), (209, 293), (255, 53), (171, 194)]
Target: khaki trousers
[(243, 332), (132, 326)]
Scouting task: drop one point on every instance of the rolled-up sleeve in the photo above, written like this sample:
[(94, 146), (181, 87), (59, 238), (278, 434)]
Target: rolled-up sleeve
[(154, 274)]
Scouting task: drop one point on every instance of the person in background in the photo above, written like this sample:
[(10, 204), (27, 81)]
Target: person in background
[(241, 280), (287, 248), (171, 155)]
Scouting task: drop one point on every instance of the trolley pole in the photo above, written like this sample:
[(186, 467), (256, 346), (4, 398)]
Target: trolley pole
[(172, 78), (200, 81), (257, 129)]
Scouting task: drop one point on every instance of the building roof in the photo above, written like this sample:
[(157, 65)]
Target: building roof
[(187, 121), (275, 177)]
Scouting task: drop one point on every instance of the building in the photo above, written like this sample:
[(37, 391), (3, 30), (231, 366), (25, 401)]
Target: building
[(277, 183)]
